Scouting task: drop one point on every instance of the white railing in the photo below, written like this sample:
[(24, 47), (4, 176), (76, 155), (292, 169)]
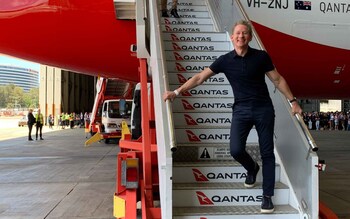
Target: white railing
[(150, 34)]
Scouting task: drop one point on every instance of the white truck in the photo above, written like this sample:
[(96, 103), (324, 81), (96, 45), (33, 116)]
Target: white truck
[(113, 112), (112, 106)]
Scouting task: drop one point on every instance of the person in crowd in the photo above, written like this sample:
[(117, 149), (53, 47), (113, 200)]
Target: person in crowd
[(39, 125), (31, 122), (336, 121), (331, 121), (50, 121), (245, 68), (81, 120), (173, 10), (317, 123)]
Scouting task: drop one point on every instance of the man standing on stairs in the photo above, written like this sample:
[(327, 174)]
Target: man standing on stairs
[(173, 10), (245, 68)]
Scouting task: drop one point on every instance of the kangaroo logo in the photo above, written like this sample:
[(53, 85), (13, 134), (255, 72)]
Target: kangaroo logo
[(176, 47), (178, 56), (168, 28), (190, 120), (166, 21), (186, 94), (181, 78), (174, 37), (187, 105), (203, 199), (179, 67), (199, 176), (191, 136)]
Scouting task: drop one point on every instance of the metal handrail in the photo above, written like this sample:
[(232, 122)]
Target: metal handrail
[(307, 134), (172, 142), (169, 113), (299, 118)]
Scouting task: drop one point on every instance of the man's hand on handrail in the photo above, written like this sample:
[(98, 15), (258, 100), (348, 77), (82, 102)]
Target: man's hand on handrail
[(296, 109), (169, 95)]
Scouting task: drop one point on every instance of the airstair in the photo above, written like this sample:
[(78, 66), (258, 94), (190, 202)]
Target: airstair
[(198, 179), (207, 181)]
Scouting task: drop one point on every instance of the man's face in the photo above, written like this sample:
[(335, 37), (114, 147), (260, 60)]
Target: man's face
[(240, 36)]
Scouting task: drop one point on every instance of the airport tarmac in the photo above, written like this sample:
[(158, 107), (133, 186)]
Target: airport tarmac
[(60, 178), (334, 148), (56, 177)]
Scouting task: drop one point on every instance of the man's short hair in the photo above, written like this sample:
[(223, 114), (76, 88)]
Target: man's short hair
[(245, 23)]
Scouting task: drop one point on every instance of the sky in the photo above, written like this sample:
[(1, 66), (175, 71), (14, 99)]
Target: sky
[(8, 60)]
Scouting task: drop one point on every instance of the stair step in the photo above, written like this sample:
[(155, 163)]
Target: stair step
[(186, 21), (191, 8), (188, 6), (187, 28), (197, 46), (194, 14), (184, 66), (213, 172), (234, 212), (225, 186), (198, 136), (195, 37), (212, 152), (188, 3), (205, 91), (193, 56), (178, 78), (224, 194), (181, 104), (202, 119)]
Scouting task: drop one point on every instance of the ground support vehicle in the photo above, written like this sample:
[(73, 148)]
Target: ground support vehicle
[(111, 107)]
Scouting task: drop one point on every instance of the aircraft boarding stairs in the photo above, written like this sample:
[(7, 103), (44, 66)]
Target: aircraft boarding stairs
[(207, 182)]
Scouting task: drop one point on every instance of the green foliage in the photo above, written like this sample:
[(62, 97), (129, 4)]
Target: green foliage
[(12, 96), (31, 98)]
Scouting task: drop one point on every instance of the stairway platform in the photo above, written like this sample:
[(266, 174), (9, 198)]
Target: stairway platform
[(209, 163), (234, 212), (234, 185)]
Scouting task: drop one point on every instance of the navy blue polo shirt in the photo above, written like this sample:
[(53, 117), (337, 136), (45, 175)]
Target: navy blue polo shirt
[(246, 74)]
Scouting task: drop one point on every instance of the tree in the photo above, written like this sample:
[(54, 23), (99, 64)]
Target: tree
[(31, 98), (12, 96), (3, 101)]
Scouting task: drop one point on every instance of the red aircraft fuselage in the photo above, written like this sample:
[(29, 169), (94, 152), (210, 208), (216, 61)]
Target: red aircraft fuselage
[(86, 37), (82, 36)]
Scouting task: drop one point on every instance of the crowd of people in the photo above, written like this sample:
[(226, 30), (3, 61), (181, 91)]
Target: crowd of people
[(64, 120), (70, 119), (327, 120)]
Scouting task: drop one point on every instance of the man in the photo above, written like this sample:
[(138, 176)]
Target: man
[(31, 121), (173, 10), (245, 68), (39, 125)]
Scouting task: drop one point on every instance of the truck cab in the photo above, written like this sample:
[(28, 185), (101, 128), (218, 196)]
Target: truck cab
[(115, 111)]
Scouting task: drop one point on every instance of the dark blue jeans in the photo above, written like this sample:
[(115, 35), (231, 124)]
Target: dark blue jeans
[(244, 117)]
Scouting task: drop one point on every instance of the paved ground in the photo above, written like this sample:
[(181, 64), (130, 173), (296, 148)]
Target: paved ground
[(57, 177), (334, 148), (60, 178)]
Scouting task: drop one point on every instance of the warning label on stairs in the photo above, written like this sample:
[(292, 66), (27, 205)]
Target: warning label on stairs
[(204, 154), (214, 153)]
